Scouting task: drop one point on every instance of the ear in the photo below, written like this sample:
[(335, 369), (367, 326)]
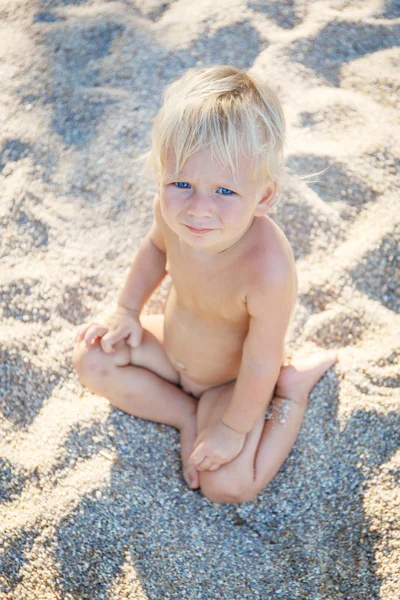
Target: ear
[(267, 197)]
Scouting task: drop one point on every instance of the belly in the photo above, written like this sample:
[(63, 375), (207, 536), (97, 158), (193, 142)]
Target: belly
[(205, 352)]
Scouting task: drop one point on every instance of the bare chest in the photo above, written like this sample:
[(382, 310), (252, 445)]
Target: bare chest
[(211, 294), (214, 291), (206, 319)]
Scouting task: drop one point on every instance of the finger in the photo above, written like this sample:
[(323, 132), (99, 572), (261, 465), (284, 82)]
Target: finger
[(135, 337), (80, 333), (108, 341), (205, 464), (111, 338), (198, 440), (214, 467), (197, 455), (93, 332)]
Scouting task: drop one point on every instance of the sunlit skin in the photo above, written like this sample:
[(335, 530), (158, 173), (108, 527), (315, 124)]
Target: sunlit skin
[(212, 364), (207, 195)]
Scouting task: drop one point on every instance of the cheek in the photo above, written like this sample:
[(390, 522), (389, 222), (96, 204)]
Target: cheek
[(233, 215), (172, 200), (171, 207)]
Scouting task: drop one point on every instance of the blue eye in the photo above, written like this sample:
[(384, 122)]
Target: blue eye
[(183, 185), (183, 182)]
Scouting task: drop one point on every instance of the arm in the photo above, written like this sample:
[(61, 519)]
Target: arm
[(148, 268), (146, 273), (270, 303)]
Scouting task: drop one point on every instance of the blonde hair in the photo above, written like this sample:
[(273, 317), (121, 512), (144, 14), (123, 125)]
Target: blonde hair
[(228, 110)]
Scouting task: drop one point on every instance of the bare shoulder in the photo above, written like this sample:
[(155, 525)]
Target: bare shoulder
[(273, 265), (275, 253)]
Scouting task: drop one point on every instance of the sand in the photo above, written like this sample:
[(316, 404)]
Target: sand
[(93, 504)]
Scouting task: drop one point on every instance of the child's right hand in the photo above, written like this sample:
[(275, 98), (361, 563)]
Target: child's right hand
[(119, 325)]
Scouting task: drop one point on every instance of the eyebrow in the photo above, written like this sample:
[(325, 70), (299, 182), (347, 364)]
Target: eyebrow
[(229, 183)]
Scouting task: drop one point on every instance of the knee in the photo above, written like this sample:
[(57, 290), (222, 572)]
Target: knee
[(87, 362), (226, 492)]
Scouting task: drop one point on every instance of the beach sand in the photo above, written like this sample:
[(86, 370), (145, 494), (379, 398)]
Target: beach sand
[(93, 504)]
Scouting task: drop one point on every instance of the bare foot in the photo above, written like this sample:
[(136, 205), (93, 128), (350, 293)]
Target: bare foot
[(188, 436), (296, 380)]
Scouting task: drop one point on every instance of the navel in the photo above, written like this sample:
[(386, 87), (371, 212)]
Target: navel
[(180, 365)]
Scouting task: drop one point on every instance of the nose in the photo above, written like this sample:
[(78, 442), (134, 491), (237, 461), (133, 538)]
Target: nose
[(200, 206)]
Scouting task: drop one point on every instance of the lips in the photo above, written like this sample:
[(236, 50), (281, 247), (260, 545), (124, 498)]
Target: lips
[(199, 229)]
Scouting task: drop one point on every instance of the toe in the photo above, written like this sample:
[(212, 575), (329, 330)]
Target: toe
[(192, 477)]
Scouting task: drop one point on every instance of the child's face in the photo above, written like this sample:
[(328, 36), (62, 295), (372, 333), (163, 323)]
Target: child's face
[(206, 197)]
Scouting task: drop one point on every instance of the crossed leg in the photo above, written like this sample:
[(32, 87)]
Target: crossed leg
[(143, 382), (270, 441)]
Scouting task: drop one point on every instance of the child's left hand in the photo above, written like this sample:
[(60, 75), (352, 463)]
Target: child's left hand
[(215, 446)]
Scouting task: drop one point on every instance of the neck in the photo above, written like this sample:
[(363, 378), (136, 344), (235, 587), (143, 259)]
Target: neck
[(235, 244)]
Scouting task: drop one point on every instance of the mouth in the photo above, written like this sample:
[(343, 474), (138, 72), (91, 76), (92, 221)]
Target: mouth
[(199, 230)]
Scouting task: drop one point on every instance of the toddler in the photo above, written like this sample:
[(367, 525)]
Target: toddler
[(214, 363)]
